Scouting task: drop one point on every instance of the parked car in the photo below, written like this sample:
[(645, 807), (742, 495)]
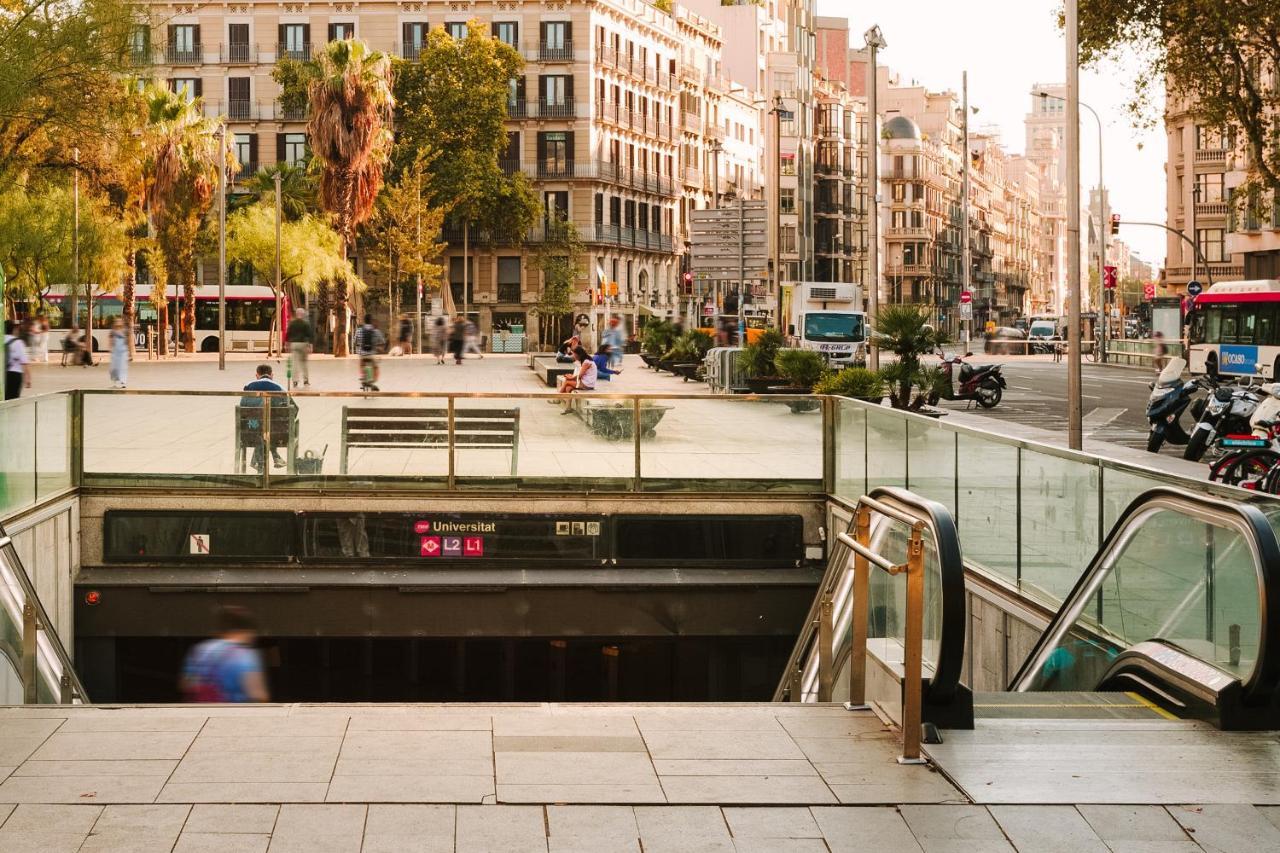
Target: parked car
[(1006, 340)]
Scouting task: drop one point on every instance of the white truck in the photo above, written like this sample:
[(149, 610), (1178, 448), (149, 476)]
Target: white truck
[(828, 318)]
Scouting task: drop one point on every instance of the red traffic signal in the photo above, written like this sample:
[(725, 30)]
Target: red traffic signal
[(688, 278), (1109, 277), (1115, 224)]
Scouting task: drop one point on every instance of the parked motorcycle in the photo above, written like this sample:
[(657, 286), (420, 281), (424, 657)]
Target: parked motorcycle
[(1170, 397), (984, 385), (1226, 412)]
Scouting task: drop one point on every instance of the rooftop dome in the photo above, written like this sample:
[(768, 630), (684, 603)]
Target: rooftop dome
[(901, 127)]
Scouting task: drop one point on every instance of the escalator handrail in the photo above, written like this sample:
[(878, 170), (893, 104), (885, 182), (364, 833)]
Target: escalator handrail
[(949, 666), (29, 593), (1264, 680)]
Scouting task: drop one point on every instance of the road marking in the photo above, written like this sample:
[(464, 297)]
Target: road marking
[(1099, 418)]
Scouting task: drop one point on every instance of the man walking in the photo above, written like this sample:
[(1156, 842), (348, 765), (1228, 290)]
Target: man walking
[(301, 337), (17, 364), (614, 337), (229, 667)]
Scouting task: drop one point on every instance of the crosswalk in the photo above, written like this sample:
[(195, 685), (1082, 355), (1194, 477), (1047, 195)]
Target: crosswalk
[(1030, 409)]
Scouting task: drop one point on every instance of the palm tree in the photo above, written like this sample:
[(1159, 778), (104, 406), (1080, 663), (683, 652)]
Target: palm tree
[(904, 330), (297, 190), (351, 104), (184, 152)]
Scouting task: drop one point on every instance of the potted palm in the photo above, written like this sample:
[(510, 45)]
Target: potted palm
[(904, 330), (802, 368), (757, 361), (686, 354), (656, 340), (856, 382)]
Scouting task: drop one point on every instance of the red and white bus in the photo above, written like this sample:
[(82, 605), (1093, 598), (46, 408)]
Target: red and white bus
[(1235, 330), (251, 310)]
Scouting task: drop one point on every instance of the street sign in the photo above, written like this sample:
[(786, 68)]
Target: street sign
[(1148, 291), (966, 310), (1195, 288), (1109, 277), (965, 297)]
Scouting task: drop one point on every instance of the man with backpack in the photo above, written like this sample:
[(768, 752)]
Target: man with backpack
[(368, 342), (227, 668)]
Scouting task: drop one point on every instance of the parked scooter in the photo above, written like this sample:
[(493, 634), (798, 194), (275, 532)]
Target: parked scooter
[(1170, 397), (1226, 412), (984, 385)]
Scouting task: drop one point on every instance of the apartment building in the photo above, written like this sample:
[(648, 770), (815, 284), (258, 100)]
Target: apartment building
[(1046, 142), (598, 119)]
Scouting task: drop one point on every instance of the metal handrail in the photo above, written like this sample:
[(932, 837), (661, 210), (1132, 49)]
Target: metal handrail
[(34, 620)]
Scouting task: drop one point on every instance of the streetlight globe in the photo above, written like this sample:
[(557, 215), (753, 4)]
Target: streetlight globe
[(875, 38)]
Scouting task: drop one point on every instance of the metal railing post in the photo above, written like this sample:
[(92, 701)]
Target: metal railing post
[(66, 694), (635, 430), (453, 479), (77, 438), (913, 651), (825, 652), (268, 451), (796, 694), (858, 630), (30, 628)]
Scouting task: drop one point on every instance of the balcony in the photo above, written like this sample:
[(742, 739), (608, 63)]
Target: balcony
[(552, 109), (517, 109), (635, 238), (140, 56), (238, 54), (508, 165), (692, 176), (410, 51), (691, 121), (1212, 208), (555, 52), (174, 55), (299, 52), (909, 269), (240, 109), (1211, 156), (907, 231), (549, 170), (283, 113), (246, 171)]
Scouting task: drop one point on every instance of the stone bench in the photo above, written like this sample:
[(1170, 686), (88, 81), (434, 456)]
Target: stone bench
[(549, 370)]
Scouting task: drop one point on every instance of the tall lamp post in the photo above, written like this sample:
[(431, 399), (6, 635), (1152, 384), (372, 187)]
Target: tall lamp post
[(1104, 220), (222, 246), (875, 43), (1075, 426), (716, 148)]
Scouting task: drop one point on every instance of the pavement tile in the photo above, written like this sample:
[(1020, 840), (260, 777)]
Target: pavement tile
[(1047, 829), (255, 767), (853, 724), (1227, 828), (5, 811), (239, 792), (19, 737), (414, 767), (221, 842), (747, 790), (265, 745), (80, 789), (119, 767), (409, 829), (500, 829), (573, 768), (721, 744), (417, 744), (564, 724), (32, 817), (133, 720), (409, 789), (414, 720), (587, 828), (1271, 813), (771, 823), (318, 829), (856, 830), (1137, 828), (779, 845), (709, 720), (733, 767), (40, 841), (159, 819), (86, 746), (954, 829), (276, 726), (912, 789), (209, 818), (571, 793), (683, 828), (567, 743)]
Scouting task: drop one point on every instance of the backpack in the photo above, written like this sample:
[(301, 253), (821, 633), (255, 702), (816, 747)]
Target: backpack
[(207, 687)]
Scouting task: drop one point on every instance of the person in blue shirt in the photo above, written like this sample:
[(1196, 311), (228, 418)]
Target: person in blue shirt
[(602, 358), (616, 338), (262, 382), (227, 668)]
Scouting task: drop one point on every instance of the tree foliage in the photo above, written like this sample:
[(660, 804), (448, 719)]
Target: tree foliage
[(297, 190), (904, 330), (310, 251), (451, 108), (402, 233), (559, 259), (1217, 59)]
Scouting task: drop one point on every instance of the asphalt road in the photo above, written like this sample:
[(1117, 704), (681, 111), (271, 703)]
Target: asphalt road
[(1115, 399)]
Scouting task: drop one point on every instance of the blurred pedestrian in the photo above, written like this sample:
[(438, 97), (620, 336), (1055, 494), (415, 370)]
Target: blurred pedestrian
[(458, 338), (1160, 351), (404, 340), (615, 338), (17, 362), (301, 337), (119, 336), (473, 340), (39, 339), (227, 668), (603, 359), (438, 338)]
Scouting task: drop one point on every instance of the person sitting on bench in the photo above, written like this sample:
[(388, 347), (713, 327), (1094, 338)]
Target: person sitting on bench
[(565, 354), (583, 377), (601, 358), (262, 382)]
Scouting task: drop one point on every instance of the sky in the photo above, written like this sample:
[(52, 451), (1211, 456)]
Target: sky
[(1007, 46)]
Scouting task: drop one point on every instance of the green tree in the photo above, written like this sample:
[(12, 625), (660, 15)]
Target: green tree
[(297, 190), (559, 259), (1212, 56), (350, 105), (401, 236), (183, 154), (904, 330), (451, 109)]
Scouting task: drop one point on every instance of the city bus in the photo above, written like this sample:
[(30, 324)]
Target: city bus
[(1235, 330), (250, 310)]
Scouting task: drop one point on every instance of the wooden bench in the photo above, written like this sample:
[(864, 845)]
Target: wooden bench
[(614, 421), (250, 433), (550, 370), (411, 429)]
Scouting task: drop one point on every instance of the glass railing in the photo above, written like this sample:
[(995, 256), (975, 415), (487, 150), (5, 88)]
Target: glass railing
[(34, 665), (35, 451), (1029, 515)]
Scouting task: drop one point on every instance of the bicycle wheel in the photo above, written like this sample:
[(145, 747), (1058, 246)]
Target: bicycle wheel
[(1250, 466)]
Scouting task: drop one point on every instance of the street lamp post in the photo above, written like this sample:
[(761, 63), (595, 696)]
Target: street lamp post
[(222, 246), (1075, 427), (716, 148), (281, 321), (966, 249), (875, 43)]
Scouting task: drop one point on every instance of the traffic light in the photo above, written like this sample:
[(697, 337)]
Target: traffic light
[(687, 278), (1115, 224)]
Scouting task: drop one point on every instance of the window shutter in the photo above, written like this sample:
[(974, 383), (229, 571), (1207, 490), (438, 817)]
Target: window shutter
[(238, 88), (173, 35), (199, 87), (568, 146), (542, 88), (520, 88), (568, 33), (515, 36), (406, 38), (333, 32), (195, 39), (279, 147), (306, 35), (568, 89), (493, 29), (542, 32), (253, 150), (542, 147), (280, 38)]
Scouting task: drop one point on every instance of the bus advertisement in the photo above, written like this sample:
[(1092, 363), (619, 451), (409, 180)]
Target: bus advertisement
[(1235, 330)]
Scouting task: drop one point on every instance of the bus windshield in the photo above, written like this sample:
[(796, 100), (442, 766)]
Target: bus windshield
[(834, 328)]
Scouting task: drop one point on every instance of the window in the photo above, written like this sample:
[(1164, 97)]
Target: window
[(507, 32), (184, 43), (456, 30), (295, 41), (553, 89), (245, 154), (456, 270), (342, 31), (555, 205), (899, 192), (515, 97), (787, 239), (295, 148), (1211, 139), (1211, 244), (555, 153), (188, 87), (787, 200), (788, 166), (238, 97), (1209, 188), (509, 279), (140, 43), (556, 41), (413, 36)]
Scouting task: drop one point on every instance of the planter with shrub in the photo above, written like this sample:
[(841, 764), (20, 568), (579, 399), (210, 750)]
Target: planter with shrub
[(756, 360)]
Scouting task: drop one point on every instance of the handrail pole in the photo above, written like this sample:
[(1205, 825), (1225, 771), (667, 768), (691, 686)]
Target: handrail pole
[(913, 651), (858, 631), (825, 652), (797, 684), (30, 629), (453, 478)]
